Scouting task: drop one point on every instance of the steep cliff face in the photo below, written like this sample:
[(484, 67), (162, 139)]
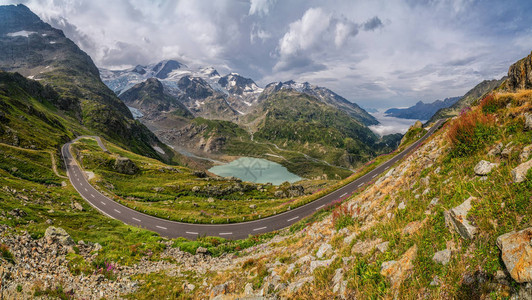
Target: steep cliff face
[(520, 74)]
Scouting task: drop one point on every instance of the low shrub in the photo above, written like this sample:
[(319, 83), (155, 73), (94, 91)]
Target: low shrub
[(491, 103), (342, 217), (6, 254), (470, 132)]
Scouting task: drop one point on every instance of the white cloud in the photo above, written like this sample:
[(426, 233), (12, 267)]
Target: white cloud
[(260, 7), (374, 52)]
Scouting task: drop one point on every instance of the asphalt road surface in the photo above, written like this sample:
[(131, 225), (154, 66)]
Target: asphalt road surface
[(172, 229)]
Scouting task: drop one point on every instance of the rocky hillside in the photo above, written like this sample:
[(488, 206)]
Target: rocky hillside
[(37, 51), (468, 99), (324, 95), (443, 223), (296, 120), (421, 111), (150, 98), (450, 221)]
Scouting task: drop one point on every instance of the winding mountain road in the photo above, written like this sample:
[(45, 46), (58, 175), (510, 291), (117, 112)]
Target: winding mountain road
[(172, 229)]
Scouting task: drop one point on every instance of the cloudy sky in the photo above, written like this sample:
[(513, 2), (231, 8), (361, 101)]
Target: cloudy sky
[(376, 53)]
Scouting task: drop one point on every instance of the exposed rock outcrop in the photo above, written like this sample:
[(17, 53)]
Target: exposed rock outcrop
[(520, 74), (457, 218), (516, 253), (398, 271)]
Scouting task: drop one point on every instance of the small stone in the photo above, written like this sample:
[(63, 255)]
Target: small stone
[(435, 281), (528, 121), (443, 257), (525, 153), (412, 227), (323, 250), (433, 202), (76, 206), (202, 250), (519, 172), (383, 247), (507, 150), (484, 167), (248, 289), (496, 150), (253, 206), (401, 205)]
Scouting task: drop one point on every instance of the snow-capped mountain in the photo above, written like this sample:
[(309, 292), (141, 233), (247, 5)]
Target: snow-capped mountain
[(191, 85)]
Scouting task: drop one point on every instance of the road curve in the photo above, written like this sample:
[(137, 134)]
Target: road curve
[(172, 229)]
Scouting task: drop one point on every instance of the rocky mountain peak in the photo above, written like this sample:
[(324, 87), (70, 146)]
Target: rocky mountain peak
[(163, 68), (18, 17)]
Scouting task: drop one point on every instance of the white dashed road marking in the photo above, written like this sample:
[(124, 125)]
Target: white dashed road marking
[(260, 228), (343, 195), (160, 227), (136, 219), (360, 184), (292, 219), (102, 202), (190, 232), (117, 211), (317, 208), (225, 233), (92, 195)]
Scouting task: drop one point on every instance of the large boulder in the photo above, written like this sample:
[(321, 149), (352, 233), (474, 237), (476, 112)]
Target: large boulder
[(125, 165), (484, 167), (516, 253), (519, 173), (57, 234), (457, 218)]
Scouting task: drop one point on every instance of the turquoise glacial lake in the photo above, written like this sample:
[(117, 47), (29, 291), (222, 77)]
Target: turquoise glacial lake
[(256, 170)]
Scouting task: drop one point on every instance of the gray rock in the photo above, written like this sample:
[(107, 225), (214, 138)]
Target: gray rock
[(496, 150), (324, 250), (516, 253), (525, 153), (202, 250), (457, 218), (383, 247), (295, 286), (218, 290), (401, 206), (248, 289), (443, 257), (125, 165), (57, 234), (433, 202), (519, 173), (435, 281), (77, 206), (528, 121), (321, 263), (507, 150), (253, 206), (484, 167)]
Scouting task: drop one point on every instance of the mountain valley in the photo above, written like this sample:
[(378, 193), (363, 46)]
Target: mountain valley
[(106, 193)]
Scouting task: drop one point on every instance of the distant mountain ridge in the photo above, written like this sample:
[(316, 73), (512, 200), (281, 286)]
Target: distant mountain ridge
[(468, 99), (421, 110), (208, 94)]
